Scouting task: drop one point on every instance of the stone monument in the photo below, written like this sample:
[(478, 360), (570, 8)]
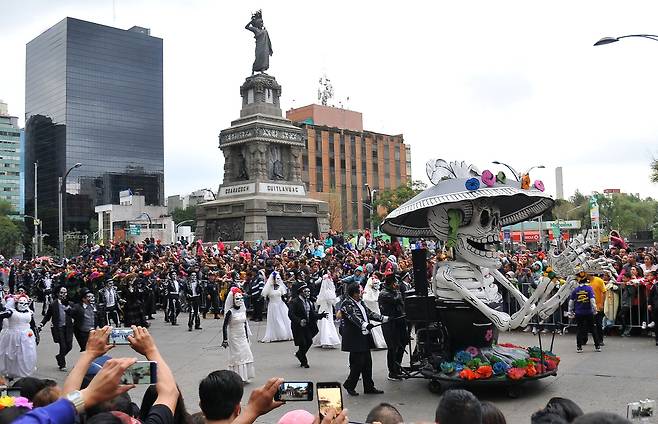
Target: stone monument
[(262, 196)]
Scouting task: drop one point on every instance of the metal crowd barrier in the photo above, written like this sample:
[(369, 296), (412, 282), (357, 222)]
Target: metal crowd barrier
[(623, 309)]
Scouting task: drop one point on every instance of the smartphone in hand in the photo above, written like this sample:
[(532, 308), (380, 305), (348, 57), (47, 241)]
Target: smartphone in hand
[(292, 391), (141, 372), (119, 336), (330, 395)]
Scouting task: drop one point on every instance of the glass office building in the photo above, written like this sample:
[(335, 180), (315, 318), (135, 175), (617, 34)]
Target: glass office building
[(10, 160), (93, 95)]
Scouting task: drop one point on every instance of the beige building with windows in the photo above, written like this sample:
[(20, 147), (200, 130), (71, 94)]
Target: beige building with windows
[(342, 160)]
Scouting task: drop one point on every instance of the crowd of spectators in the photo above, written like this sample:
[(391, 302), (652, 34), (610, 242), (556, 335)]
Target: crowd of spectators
[(627, 303), (92, 395)]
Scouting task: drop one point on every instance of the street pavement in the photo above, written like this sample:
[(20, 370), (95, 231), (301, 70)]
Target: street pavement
[(605, 381)]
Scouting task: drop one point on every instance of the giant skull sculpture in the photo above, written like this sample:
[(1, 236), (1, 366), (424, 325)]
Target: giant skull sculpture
[(466, 210)]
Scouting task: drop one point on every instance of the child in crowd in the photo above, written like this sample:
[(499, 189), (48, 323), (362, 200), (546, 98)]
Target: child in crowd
[(582, 307)]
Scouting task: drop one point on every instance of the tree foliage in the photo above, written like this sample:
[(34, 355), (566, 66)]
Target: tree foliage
[(388, 200), (623, 212), (10, 231), (184, 214), (654, 171)]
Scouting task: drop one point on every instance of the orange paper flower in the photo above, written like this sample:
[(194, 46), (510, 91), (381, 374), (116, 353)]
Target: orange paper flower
[(485, 371), (468, 374), (531, 371), (525, 182), (516, 373)]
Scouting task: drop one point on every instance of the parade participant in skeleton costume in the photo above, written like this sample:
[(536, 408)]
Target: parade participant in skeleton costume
[(466, 210), (18, 347), (236, 334), (327, 335), (278, 323), (109, 301), (173, 288), (84, 318), (192, 291), (371, 299)]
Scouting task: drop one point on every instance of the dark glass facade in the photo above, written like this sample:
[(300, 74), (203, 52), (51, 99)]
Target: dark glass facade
[(93, 96)]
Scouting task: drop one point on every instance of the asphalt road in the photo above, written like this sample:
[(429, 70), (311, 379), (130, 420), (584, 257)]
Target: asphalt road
[(625, 371)]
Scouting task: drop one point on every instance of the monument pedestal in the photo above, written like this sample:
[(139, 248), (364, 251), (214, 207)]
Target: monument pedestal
[(262, 196)]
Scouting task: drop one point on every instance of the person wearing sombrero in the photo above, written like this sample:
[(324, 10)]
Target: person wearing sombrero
[(304, 321)]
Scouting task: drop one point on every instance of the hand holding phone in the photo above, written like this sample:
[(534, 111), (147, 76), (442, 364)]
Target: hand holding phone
[(141, 372), (292, 391), (119, 336), (330, 395)]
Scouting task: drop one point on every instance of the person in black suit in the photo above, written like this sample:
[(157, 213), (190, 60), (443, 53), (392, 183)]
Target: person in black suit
[(355, 329), (84, 318), (396, 333), (303, 322), (173, 298), (61, 327)]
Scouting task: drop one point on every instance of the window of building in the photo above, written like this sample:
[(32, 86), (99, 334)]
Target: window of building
[(331, 145)]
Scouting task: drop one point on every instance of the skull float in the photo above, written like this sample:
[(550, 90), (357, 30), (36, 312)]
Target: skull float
[(466, 210)]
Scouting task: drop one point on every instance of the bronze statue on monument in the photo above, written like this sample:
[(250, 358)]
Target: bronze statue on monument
[(263, 43)]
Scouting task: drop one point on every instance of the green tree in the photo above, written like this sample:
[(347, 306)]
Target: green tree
[(10, 231), (654, 171), (184, 214), (388, 200)]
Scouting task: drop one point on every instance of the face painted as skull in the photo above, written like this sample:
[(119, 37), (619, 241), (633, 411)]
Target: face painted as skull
[(23, 304), (238, 300)]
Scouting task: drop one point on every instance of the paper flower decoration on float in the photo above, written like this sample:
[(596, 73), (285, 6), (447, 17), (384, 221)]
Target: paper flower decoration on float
[(488, 178), (539, 185), (525, 182)]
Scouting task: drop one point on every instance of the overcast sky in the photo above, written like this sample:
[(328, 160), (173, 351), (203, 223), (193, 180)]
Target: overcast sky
[(514, 81)]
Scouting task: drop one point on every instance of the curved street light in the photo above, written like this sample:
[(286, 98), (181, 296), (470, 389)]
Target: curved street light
[(62, 183), (610, 40), (149, 218)]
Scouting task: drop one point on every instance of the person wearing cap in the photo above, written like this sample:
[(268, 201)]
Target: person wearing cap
[(396, 333), (84, 318), (355, 326), (582, 307), (304, 322)]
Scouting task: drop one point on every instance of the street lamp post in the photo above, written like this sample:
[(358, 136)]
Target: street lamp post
[(214, 196), (61, 182), (150, 222), (371, 210), (610, 40)]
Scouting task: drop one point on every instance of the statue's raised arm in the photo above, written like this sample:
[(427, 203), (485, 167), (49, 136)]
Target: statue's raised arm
[(263, 43)]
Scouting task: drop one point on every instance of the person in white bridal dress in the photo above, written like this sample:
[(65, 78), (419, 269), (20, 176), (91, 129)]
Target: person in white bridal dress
[(371, 299), (236, 334), (327, 335), (278, 323)]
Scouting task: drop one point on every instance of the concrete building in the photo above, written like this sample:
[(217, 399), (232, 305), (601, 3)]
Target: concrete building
[(10, 159), (93, 95), (133, 220), (182, 202), (341, 158)]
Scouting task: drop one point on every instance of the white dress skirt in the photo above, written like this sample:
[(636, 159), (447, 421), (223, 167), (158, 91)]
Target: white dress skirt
[(18, 347), (371, 299), (327, 335), (240, 358), (278, 324)]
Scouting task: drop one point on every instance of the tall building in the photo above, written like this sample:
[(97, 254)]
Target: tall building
[(93, 95), (10, 159), (559, 184), (342, 160)]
